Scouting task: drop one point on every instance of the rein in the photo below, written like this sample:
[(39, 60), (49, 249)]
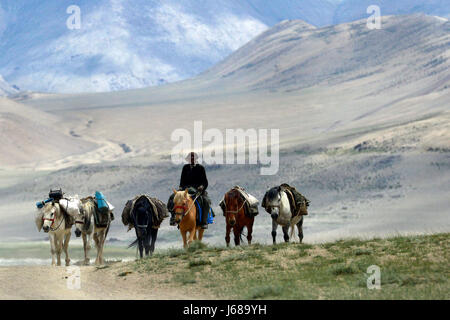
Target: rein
[(185, 208), (53, 222), (237, 211)]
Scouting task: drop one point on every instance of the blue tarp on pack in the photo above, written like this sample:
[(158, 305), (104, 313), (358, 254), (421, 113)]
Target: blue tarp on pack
[(102, 205), (200, 213), (42, 204)]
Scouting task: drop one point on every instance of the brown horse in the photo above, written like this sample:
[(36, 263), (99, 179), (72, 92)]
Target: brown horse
[(186, 217), (236, 218)]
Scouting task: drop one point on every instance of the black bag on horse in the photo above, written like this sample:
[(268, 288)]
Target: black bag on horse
[(300, 202), (56, 194)]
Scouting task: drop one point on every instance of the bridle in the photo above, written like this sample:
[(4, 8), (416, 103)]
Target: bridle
[(237, 211), (186, 208), (53, 222), (270, 207), (82, 222)]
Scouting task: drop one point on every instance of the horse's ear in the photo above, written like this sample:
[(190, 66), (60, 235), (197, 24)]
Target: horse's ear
[(174, 191), (186, 193)]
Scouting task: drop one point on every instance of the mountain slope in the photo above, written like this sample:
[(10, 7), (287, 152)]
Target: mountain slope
[(5, 88), (133, 43), (350, 10), (139, 43), (31, 136), (292, 56), (342, 77)]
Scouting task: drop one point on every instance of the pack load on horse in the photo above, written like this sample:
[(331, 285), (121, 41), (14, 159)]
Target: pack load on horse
[(69, 207), (159, 211), (193, 178), (250, 203), (287, 208), (104, 210), (298, 202), (240, 210)]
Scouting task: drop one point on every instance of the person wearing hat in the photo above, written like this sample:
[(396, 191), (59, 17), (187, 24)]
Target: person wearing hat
[(193, 176)]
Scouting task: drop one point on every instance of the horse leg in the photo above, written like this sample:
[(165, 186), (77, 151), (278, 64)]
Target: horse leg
[(102, 244), (200, 234), (184, 236), (97, 245), (147, 240), (300, 230), (66, 246), (227, 235), (195, 235), (52, 248), (274, 231), (249, 233), (154, 233), (191, 236), (59, 244), (286, 234), (237, 235), (86, 248)]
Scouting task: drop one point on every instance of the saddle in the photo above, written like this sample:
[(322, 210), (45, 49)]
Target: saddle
[(250, 206)]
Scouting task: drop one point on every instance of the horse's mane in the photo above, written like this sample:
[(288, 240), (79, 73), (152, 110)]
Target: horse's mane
[(49, 206), (272, 194), (88, 206), (179, 197), (233, 194)]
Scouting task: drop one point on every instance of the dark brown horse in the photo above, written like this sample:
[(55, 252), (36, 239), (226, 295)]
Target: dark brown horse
[(236, 218)]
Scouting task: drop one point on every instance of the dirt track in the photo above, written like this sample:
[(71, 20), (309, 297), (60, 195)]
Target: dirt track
[(46, 282)]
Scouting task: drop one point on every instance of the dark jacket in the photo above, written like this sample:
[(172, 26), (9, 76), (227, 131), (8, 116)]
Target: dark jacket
[(193, 177)]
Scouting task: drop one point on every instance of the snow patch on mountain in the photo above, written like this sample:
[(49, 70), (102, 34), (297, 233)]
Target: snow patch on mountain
[(6, 89)]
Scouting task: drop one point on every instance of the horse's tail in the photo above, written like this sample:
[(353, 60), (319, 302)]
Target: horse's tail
[(133, 244), (242, 234), (292, 232)]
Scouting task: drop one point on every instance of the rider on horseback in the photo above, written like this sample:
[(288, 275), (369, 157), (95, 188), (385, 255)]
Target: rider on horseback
[(193, 176)]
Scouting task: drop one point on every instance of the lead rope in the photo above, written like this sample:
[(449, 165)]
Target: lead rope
[(62, 220)]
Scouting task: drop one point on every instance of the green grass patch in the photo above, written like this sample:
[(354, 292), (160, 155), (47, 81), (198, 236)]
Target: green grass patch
[(411, 268)]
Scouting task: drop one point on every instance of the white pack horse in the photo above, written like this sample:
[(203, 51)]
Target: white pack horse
[(276, 203), (51, 219), (87, 229)]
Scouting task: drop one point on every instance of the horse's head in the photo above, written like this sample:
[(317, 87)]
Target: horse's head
[(273, 202), (233, 204), (142, 216), (50, 213), (182, 202), (82, 220)]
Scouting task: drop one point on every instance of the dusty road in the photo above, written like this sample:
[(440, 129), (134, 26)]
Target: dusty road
[(46, 282)]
